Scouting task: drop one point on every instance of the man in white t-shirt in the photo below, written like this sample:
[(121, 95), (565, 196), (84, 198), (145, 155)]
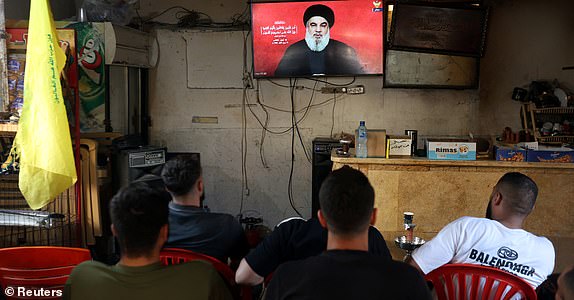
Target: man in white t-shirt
[(497, 240)]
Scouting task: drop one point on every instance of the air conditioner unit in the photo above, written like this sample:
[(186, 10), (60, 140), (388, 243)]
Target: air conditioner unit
[(126, 46)]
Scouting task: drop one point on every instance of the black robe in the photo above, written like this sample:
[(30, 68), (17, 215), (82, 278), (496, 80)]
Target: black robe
[(336, 59)]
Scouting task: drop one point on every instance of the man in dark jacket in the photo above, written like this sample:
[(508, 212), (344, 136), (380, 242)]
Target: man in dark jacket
[(191, 226)]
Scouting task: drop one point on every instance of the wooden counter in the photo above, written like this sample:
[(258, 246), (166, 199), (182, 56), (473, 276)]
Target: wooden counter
[(439, 192)]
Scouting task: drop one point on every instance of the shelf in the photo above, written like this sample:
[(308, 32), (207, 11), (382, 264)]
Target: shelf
[(8, 128), (554, 110), (569, 139), (553, 114)]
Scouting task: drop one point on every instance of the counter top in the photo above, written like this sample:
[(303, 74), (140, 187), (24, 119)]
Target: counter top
[(441, 191), (423, 161)]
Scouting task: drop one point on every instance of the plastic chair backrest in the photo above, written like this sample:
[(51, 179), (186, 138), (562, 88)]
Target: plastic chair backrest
[(44, 267), (174, 256), (478, 282)]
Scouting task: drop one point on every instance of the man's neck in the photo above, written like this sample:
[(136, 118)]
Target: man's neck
[(355, 242), (138, 261), (513, 222), (189, 199)]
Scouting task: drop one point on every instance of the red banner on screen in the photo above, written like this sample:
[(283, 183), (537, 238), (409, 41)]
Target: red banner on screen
[(278, 25)]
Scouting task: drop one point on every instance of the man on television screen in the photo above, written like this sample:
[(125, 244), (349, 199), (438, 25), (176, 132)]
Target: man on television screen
[(318, 54)]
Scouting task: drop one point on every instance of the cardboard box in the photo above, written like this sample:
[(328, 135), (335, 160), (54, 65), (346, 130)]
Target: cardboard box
[(451, 150), (376, 142), (551, 155), (503, 153), (398, 145)]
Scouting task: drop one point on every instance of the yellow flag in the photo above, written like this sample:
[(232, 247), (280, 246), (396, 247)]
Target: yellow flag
[(43, 142)]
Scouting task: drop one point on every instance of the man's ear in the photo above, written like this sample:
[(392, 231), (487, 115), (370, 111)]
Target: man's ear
[(200, 185), (373, 217), (114, 231), (322, 219), (497, 198), (163, 233)]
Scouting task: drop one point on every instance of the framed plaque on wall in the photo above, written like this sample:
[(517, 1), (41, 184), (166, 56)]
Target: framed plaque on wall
[(443, 30)]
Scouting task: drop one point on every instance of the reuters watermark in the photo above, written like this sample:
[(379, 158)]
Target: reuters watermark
[(32, 293)]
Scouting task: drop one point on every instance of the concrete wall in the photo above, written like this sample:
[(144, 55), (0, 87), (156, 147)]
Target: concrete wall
[(525, 42), (20, 10), (173, 105)]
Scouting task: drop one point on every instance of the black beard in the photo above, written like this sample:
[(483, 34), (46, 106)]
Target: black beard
[(488, 211)]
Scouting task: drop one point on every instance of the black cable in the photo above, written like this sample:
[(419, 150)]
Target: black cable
[(140, 25), (263, 131), (307, 155), (164, 11), (285, 86), (192, 18), (293, 121), (244, 176), (334, 84), (263, 106), (277, 84), (236, 19), (333, 114)]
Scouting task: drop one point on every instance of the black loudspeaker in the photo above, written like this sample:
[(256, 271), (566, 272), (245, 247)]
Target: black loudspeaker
[(132, 164), (321, 167)]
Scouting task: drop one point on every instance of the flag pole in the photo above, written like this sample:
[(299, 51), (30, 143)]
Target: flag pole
[(5, 105)]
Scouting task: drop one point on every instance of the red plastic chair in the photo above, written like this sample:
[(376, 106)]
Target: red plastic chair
[(479, 282), (174, 256), (38, 267)]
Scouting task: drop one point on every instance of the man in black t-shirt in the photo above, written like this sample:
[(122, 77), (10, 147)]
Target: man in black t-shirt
[(294, 239), (347, 270)]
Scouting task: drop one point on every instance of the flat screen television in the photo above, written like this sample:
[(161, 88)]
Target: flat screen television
[(317, 38)]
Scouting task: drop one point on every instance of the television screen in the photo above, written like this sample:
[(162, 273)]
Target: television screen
[(317, 38)]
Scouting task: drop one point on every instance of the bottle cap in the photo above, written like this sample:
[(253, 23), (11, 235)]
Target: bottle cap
[(361, 123)]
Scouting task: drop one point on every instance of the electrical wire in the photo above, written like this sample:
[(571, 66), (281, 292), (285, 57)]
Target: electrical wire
[(244, 176), (241, 18), (293, 122), (334, 84), (191, 18), (263, 131), (333, 114), (165, 11)]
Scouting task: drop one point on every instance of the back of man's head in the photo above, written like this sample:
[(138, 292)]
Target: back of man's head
[(138, 213), (181, 174), (566, 284), (155, 182), (347, 199), (519, 193)]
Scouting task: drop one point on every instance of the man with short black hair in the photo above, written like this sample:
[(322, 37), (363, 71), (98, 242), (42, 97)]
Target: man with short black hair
[(346, 270), (318, 53), (139, 222), (497, 240), (565, 289), (191, 226)]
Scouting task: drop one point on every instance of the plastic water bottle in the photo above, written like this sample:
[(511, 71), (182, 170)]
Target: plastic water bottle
[(361, 143)]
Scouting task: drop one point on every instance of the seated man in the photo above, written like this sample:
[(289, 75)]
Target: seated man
[(497, 240), (347, 270), (565, 289), (139, 222), (294, 239), (191, 227)]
